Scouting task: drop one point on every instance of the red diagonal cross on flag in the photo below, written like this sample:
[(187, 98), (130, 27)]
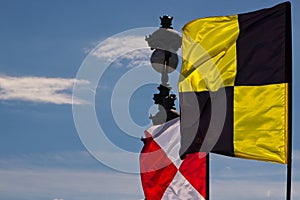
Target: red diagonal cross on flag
[(164, 175)]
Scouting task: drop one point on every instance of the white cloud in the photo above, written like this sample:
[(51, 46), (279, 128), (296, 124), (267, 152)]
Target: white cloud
[(76, 159), (251, 189), (72, 175), (233, 178), (39, 89), (68, 184), (75, 175), (132, 49)]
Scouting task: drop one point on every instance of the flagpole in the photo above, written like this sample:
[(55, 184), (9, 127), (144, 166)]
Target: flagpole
[(289, 181), (207, 176), (289, 157), (289, 77)]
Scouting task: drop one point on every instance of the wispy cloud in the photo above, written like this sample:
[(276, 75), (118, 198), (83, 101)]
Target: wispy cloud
[(73, 175), (74, 159), (68, 184), (133, 50), (234, 178), (39, 89), (251, 189)]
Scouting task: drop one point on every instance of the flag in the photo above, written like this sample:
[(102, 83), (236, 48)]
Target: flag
[(163, 174), (235, 89)]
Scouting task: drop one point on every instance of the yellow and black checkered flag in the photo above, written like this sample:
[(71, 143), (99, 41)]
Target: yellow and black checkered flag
[(235, 88)]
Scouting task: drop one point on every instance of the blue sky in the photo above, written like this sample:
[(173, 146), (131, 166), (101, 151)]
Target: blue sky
[(44, 47)]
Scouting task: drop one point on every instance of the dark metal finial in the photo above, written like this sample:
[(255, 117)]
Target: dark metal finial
[(166, 21), (165, 42)]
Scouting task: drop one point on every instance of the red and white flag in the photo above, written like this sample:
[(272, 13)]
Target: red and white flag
[(163, 174)]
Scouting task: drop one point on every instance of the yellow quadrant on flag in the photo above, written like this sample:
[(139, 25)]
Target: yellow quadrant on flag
[(259, 122), (209, 54)]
